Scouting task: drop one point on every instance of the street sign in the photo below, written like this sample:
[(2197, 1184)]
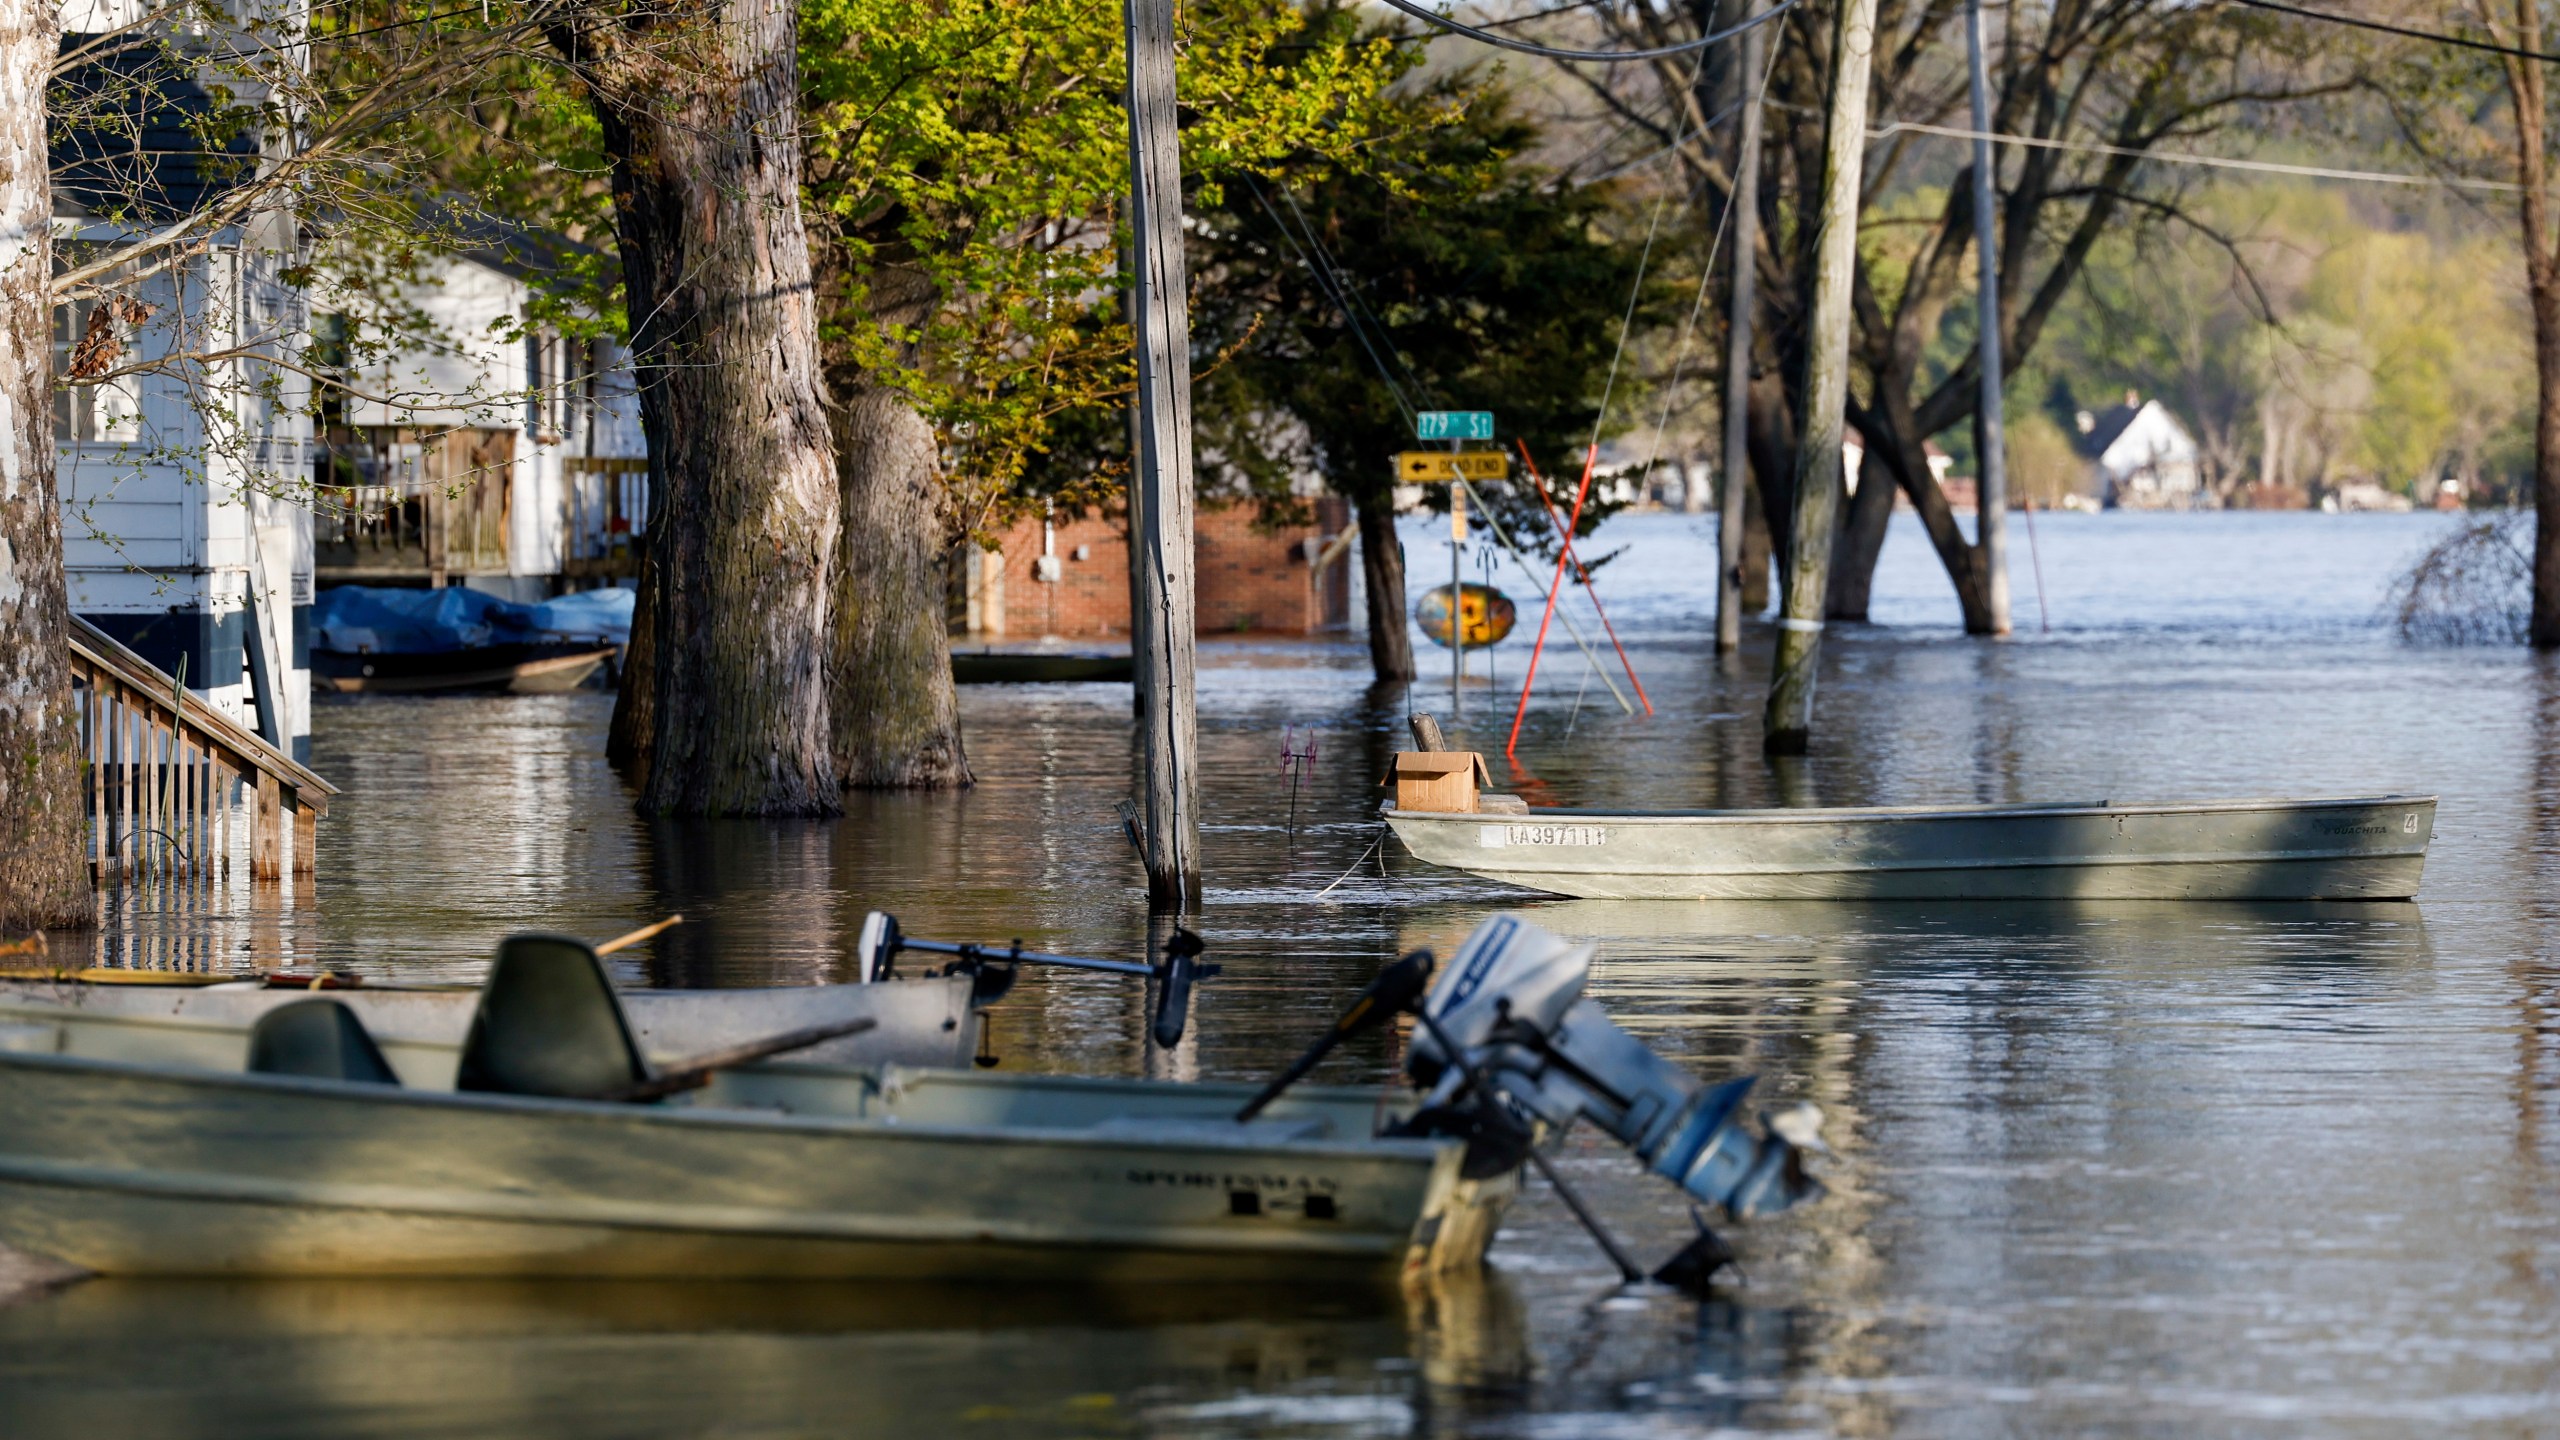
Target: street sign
[(1453, 425), (1417, 467)]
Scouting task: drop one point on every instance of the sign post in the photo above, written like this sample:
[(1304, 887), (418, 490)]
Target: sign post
[(1457, 468), (1457, 595)]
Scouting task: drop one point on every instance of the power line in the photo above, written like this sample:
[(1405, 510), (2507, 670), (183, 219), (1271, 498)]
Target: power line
[(1606, 57), (2216, 162), (1635, 291), (2463, 42)]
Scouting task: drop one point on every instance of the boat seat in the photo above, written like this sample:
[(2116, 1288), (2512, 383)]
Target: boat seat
[(548, 1023), (318, 1040)]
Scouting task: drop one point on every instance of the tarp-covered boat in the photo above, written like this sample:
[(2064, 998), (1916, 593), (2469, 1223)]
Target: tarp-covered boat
[(389, 640)]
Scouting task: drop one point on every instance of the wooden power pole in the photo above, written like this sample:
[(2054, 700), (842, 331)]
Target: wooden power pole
[(1163, 630), (1730, 516), (1787, 727), (1991, 493)]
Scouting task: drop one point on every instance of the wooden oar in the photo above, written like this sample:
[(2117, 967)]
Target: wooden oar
[(625, 942), (695, 1073)]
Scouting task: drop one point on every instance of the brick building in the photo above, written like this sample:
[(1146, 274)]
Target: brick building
[(1070, 578)]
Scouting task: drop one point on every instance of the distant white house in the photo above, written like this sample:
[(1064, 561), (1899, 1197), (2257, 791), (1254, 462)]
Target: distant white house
[(2140, 457)]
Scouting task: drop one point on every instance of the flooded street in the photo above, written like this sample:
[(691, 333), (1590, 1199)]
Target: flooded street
[(2102, 1169)]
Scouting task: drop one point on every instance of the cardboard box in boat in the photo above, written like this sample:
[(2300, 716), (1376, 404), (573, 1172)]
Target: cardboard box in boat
[(1440, 782)]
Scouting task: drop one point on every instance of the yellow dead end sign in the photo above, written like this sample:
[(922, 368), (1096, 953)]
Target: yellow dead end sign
[(1416, 467)]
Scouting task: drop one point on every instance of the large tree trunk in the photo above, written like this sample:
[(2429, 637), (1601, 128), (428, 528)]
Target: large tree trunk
[(896, 712), (635, 697), (1382, 570), (1853, 558), (1773, 474), (700, 114), (2544, 629), (42, 879), (1756, 545), (897, 715)]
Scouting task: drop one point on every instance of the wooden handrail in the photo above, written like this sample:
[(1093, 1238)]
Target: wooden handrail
[(109, 654)]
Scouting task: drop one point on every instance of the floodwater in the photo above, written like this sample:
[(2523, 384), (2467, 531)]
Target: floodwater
[(2121, 1169)]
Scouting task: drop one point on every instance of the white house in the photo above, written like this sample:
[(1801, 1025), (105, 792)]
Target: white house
[(182, 535), (488, 451), (2140, 457)]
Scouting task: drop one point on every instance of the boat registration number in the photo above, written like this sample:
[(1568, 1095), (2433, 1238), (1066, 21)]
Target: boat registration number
[(1496, 837)]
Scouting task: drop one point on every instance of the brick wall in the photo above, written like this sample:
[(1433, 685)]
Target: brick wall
[(1250, 581)]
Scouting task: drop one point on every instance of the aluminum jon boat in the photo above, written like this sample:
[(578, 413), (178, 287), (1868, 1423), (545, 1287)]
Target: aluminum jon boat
[(2369, 848), (557, 1149)]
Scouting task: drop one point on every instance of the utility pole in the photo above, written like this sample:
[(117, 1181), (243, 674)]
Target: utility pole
[(1737, 346), (1787, 727), (1163, 630), (1991, 427)]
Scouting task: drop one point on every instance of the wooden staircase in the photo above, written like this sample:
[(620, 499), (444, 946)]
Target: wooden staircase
[(177, 788)]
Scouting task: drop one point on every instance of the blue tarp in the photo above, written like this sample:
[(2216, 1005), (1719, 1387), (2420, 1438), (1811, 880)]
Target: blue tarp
[(374, 620)]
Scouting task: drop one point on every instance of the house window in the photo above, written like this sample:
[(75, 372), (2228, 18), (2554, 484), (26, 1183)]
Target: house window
[(94, 335), (329, 363), (554, 376)]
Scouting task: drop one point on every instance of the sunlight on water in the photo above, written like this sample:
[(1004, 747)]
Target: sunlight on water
[(2102, 1168)]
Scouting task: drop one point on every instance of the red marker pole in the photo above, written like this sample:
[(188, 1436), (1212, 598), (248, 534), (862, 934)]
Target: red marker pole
[(1585, 576), (1590, 457)]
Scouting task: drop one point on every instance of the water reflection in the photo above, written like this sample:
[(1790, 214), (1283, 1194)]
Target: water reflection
[(626, 1359), (2102, 1168)]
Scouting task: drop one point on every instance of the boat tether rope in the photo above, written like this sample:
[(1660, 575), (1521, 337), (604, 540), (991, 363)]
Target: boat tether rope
[(1356, 864)]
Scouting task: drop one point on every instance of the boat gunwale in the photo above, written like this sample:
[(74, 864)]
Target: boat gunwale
[(1396, 1148), (1836, 815), (1922, 867)]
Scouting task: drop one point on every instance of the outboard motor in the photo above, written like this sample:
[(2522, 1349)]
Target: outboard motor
[(1507, 1027)]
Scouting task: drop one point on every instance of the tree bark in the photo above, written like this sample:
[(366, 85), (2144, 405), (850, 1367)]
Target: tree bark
[(1773, 471), (2543, 627), (42, 879), (2525, 88), (1853, 559), (1756, 545), (896, 712), (699, 113), (1382, 571), (628, 738)]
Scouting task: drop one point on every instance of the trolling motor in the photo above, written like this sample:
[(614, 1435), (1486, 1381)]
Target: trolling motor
[(1505, 1044), (993, 968)]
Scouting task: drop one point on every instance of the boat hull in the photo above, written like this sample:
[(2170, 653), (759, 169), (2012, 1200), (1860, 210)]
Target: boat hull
[(522, 669), (782, 1172), (2371, 848)]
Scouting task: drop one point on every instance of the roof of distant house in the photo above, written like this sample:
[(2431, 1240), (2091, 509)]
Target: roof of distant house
[(150, 140), (2105, 427)]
